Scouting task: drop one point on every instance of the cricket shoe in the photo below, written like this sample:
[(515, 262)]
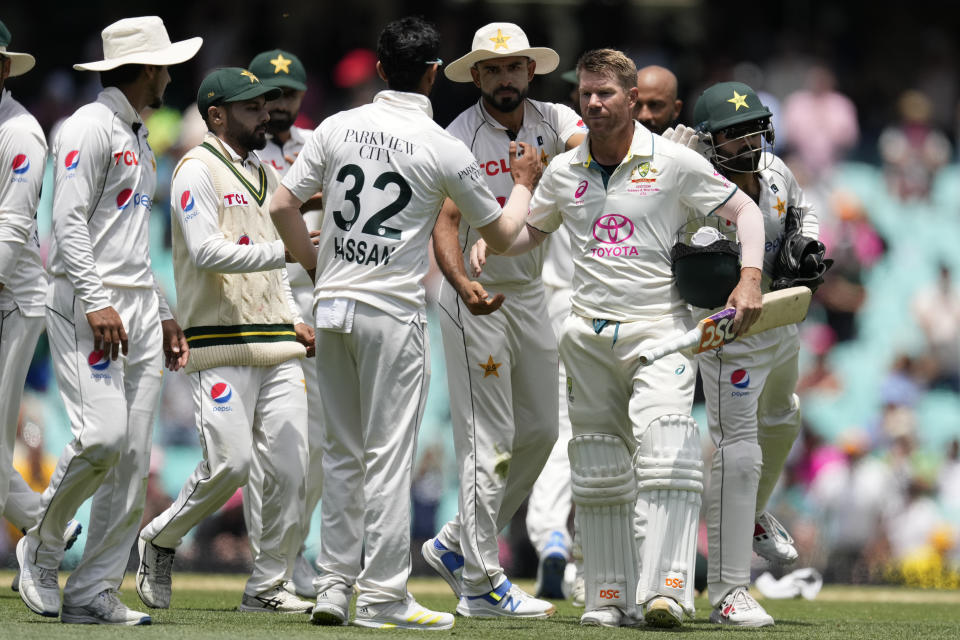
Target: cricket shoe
[(106, 608), (275, 600), (608, 616), (662, 612), (39, 588), (553, 564), (506, 601), (739, 609), (404, 614), (448, 563), (70, 535), (578, 594), (331, 607), (301, 584), (153, 574), (772, 542)]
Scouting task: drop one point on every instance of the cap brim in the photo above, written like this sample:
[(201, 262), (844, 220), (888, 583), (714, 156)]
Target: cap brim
[(284, 83), (743, 117), (20, 63), (459, 70), (174, 54), (255, 91)]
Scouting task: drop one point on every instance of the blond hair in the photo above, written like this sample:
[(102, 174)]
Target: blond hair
[(609, 62)]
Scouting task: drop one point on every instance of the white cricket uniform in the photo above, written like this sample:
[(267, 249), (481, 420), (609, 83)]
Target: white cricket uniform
[(384, 169), (260, 413), (23, 157), (281, 158), (752, 410), (500, 369), (105, 177)]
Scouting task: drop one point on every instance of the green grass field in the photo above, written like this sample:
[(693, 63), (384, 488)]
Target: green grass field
[(205, 607)]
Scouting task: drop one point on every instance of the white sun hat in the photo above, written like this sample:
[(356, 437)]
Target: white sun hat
[(500, 39), (20, 63), (142, 40)]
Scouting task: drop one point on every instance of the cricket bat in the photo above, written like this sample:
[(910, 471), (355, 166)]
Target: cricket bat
[(780, 308)]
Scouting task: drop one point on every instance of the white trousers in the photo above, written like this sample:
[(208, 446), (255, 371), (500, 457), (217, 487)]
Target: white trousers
[(18, 339), (242, 413), (373, 385), (111, 405), (501, 371), (754, 417)]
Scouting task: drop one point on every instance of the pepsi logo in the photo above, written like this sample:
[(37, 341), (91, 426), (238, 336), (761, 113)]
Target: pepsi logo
[(244, 239), (124, 198), (581, 189), (186, 201), (72, 160), (221, 393), (740, 378), (21, 164), (98, 360)]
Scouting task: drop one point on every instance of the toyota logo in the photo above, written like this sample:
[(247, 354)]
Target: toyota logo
[(613, 228)]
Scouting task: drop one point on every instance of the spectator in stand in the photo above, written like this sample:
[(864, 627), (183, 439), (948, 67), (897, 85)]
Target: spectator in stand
[(913, 150), (936, 310)]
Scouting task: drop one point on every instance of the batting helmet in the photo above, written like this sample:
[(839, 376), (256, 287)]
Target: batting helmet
[(706, 262), (735, 110)]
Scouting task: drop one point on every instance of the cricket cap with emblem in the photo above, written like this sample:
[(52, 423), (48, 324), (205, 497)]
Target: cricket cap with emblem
[(20, 63), (500, 40), (278, 68), (142, 40), (726, 104), (232, 84)]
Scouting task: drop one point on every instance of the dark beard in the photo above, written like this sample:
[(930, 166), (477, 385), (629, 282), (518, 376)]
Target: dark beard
[(507, 103), (745, 163), (653, 126), (279, 121), (157, 103), (250, 140)]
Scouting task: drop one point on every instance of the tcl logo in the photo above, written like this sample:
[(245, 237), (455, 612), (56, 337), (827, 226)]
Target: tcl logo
[(609, 594), (129, 158), (234, 200), (673, 583), (496, 166)]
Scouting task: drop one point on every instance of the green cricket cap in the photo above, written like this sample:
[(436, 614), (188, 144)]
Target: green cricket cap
[(279, 68), (232, 84), (726, 104)]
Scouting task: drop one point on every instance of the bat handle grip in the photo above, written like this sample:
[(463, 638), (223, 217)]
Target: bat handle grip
[(646, 358)]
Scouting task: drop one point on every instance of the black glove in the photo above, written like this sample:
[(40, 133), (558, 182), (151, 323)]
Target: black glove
[(800, 261)]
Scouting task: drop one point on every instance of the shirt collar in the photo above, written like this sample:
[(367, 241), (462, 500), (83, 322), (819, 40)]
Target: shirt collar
[(117, 102), (640, 146), (251, 158), (406, 100)]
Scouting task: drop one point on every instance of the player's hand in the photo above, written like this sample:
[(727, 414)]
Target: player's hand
[(747, 299), (109, 336), (477, 299), (314, 237), (305, 337), (478, 257), (525, 165), (176, 351), (686, 136)]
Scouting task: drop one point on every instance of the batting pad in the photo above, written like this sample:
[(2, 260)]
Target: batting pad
[(669, 470), (604, 490)]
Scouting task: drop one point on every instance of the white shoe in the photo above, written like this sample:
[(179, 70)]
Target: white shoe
[(302, 582), (70, 535), (106, 608), (331, 607), (153, 574), (39, 588), (739, 609), (608, 616), (449, 564), (578, 595), (506, 601), (662, 612), (275, 600), (772, 542), (552, 565), (404, 614)]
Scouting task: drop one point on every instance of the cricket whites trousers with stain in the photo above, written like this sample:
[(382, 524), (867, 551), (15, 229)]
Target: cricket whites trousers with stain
[(754, 418), (373, 382), (110, 405), (245, 412), (501, 371)]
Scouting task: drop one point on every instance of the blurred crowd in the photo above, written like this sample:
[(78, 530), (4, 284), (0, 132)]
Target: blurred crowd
[(870, 493)]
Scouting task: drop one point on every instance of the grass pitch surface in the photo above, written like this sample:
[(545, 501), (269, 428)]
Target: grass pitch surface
[(205, 607)]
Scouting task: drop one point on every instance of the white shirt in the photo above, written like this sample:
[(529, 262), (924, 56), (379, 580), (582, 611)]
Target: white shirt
[(105, 176), (209, 248), (621, 235), (23, 157), (385, 169), (778, 191), (546, 127)]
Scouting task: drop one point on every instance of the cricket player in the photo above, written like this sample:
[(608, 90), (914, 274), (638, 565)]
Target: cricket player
[(384, 170), (109, 327), (501, 374), (657, 104), (282, 69), (635, 451), (749, 384), (246, 338)]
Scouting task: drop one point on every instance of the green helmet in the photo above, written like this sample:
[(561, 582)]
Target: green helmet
[(734, 109)]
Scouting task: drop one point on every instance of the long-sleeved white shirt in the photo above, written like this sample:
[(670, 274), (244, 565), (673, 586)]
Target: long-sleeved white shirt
[(23, 157)]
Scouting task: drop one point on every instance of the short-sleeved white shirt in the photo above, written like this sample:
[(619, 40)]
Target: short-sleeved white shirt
[(621, 235), (385, 169), (546, 127)]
